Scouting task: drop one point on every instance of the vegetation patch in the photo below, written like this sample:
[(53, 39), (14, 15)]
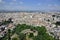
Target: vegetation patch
[(42, 33)]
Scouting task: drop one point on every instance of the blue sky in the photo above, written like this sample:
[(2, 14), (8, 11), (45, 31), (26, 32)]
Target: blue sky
[(45, 5)]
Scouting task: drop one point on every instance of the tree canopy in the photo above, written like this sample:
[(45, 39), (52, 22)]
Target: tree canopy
[(42, 33)]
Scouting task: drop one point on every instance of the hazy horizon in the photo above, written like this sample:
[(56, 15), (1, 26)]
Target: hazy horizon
[(40, 5)]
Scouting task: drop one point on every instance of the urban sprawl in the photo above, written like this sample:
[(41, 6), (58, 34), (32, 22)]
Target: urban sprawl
[(49, 20)]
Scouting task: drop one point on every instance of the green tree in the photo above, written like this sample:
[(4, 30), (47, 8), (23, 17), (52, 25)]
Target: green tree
[(9, 34)]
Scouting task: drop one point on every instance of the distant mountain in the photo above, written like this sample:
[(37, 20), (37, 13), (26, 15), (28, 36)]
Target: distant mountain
[(4, 11), (54, 10), (30, 11)]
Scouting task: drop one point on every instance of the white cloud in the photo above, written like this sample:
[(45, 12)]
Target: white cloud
[(0, 1), (53, 7), (21, 2), (39, 4), (14, 0), (11, 3), (49, 5)]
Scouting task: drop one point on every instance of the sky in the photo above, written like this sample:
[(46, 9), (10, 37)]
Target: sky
[(41, 5)]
